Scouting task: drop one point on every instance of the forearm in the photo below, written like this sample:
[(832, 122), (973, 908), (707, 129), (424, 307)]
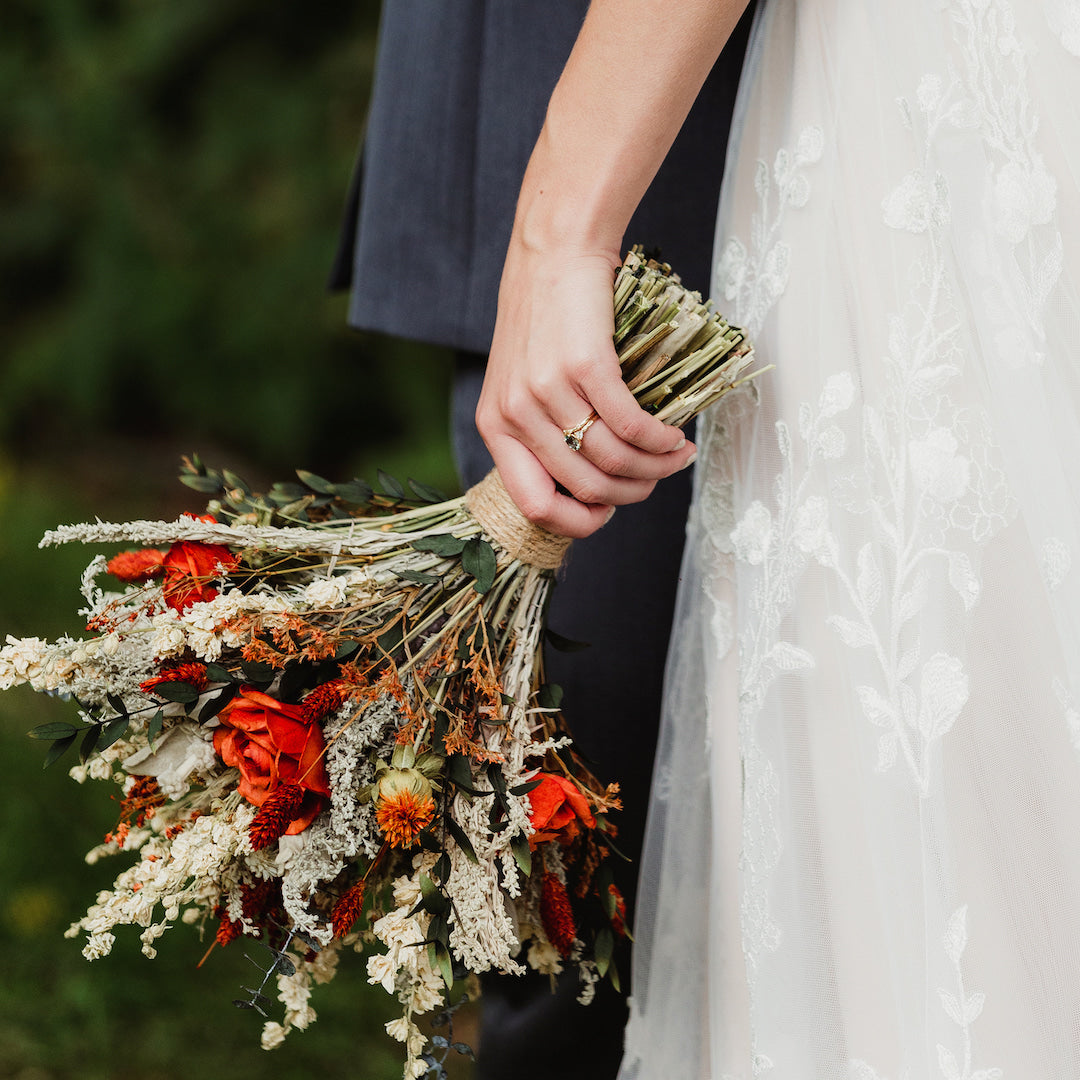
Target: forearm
[(626, 90)]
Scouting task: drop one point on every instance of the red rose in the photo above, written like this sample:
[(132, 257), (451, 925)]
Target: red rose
[(189, 569), (559, 809), (271, 744), (137, 565)]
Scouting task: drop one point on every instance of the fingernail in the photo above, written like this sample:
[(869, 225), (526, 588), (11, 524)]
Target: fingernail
[(690, 460), (682, 443), (610, 514)]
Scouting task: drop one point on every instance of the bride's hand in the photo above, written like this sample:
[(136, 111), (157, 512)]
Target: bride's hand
[(552, 365)]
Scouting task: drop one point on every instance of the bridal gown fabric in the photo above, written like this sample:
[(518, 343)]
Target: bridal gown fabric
[(863, 859)]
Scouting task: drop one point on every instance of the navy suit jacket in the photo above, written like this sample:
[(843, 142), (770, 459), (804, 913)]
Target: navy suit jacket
[(459, 97)]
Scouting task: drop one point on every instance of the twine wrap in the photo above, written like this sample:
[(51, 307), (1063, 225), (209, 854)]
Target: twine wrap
[(490, 503)]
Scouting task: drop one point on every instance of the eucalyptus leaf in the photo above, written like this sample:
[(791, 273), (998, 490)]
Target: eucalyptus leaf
[(180, 692), (445, 544), (255, 671), (419, 577), (426, 493), (89, 743), (234, 481), (215, 704), (117, 703), (153, 729), (58, 749), (218, 673), (207, 485), (478, 559), (315, 482), (113, 732), (460, 838), (524, 789), (549, 696), (391, 485), (519, 845), (56, 730), (355, 491), (602, 950)]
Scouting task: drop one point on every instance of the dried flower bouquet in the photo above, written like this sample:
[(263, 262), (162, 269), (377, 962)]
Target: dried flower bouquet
[(326, 711)]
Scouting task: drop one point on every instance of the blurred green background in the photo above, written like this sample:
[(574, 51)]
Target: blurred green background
[(171, 180)]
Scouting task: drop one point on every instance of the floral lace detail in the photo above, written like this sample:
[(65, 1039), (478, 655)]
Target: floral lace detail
[(961, 1007), (1063, 17), (754, 280), (989, 95)]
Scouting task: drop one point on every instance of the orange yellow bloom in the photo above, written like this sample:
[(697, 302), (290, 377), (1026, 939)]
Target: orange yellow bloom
[(404, 805)]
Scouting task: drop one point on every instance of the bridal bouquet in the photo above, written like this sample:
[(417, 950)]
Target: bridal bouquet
[(325, 709)]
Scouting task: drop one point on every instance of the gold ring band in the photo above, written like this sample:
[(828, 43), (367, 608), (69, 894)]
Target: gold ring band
[(574, 435)]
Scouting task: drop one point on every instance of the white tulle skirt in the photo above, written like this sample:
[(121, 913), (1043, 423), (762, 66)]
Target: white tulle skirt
[(863, 859)]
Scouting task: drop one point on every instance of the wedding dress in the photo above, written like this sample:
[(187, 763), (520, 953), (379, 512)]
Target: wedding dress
[(863, 859)]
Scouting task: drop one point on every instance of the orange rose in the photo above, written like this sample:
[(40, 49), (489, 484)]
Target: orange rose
[(559, 809), (189, 569), (271, 744)]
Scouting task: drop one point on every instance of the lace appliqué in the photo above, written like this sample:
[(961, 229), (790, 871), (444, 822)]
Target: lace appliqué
[(960, 1006), (988, 94), (753, 280)]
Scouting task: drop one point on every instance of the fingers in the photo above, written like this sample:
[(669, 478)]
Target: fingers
[(536, 496)]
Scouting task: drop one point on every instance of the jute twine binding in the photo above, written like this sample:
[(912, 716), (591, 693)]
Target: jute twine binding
[(490, 503)]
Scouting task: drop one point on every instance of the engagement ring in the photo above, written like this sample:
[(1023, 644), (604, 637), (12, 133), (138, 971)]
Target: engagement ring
[(574, 435)]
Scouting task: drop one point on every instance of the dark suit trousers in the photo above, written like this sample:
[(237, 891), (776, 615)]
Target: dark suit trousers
[(617, 592)]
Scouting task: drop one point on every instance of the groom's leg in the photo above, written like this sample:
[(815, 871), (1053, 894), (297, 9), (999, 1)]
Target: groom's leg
[(616, 592)]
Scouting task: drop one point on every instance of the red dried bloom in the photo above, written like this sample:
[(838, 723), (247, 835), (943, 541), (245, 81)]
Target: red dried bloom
[(189, 569), (137, 566), (229, 930), (277, 813), (556, 914), (323, 700), (347, 910), (193, 674), (618, 918)]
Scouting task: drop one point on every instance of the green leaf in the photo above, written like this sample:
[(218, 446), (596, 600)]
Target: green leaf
[(234, 481), (391, 485), (426, 493), (496, 778), (613, 975), (57, 730), (208, 485), (58, 749), (478, 559), (441, 961), (117, 703), (506, 699), (153, 729), (113, 731), (390, 639), (602, 950), (441, 869), (316, 483), (355, 491), (462, 841), (445, 544), (89, 743), (434, 901), (549, 696), (287, 492), (524, 789), (519, 845), (215, 704), (564, 644), (419, 577), (346, 650), (255, 671), (181, 692), (459, 773), (218, 673)]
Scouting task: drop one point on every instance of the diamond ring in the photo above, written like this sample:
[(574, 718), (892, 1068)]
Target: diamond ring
[(575, 434)]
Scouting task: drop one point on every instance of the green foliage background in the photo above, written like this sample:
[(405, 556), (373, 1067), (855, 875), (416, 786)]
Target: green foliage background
[(171, 180)]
